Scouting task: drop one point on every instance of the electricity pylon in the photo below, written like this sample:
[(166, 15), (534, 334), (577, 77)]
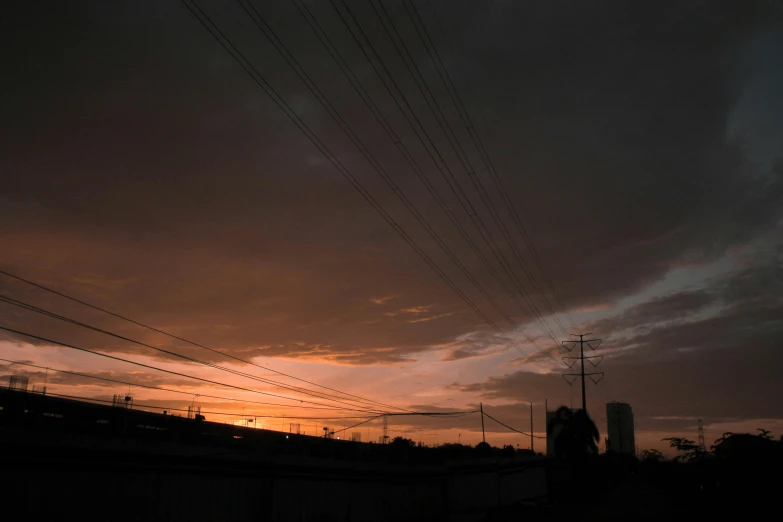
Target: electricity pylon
[(582, 359)]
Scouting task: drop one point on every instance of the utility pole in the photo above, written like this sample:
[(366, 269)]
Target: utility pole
[(531, 426), (483, 436), (582, 359)]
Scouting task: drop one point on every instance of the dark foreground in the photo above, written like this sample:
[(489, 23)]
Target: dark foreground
[(73, 461), (740, 487)]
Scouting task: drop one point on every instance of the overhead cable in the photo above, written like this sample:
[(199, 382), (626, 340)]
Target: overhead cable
[(204, 19), (171, 372), (269, 33), (192, 343), (47, 313)]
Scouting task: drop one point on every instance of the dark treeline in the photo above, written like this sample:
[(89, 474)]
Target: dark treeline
[(737, 476)]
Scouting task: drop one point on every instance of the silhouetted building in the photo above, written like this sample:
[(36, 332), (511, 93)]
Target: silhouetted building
[(18, 382), (619, 420), (194, 412), (123, 401)]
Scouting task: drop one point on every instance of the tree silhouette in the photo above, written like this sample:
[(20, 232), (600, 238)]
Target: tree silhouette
[(689, 449), (576, 435), (483, 449), (651, 455), (726, 435), (745, 445), (402, 442), (765, 434)]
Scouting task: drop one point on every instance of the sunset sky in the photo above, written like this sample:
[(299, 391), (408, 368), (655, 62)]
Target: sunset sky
[(144, 172)]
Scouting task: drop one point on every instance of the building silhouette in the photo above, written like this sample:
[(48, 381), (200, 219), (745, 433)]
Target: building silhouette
[(620, 430), (108, 456), (18, 382)]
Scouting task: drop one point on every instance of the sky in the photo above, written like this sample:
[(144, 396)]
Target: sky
[(145, 172)]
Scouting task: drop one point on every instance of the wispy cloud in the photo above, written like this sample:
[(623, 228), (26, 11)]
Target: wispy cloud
[(430, 318), (411, 310)]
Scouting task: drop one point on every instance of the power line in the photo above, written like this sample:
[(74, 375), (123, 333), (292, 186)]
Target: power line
[(440, 163), (359, 424), (36, 309), (171, 372), (231, 414), (323, 37), (513, 429), (113, 314), (161, 388), (57, 370), (432, 50), (445, 126), (269, 33), (227, 414), (449, 414), (445, 171), (535, 253), (47, 313), (216, 33)]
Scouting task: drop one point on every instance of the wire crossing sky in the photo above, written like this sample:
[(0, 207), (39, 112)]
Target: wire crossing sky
[(539, 169)]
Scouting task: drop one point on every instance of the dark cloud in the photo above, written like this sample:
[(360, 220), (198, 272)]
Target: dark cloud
[(517, 385), (760, 278), (721, 367), (736, 327), (150, 176), (641, 111)]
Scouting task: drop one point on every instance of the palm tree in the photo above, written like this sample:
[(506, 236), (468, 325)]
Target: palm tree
[(576, 435)]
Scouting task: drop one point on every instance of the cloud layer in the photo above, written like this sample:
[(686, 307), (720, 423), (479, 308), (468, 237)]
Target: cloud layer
[(149, 175)]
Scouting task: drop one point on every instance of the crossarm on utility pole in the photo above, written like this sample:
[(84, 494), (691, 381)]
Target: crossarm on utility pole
[(582, 359)]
